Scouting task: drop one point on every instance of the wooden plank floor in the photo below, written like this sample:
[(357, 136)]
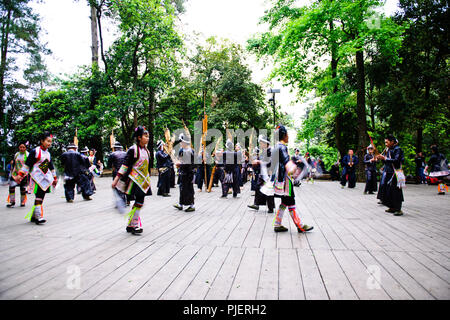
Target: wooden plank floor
[(225, 250)]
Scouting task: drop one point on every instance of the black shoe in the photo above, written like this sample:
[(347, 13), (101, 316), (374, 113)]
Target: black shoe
[(136, 230), (166, 195), (280, 229), (305, 228), (129, 229), (178, 207), (371, 192), (33, 218), (390, 210), (253, 206), (270, 211), (365, 192), (69, 201), (398, 213), (22, 204), (40, 221), (87, 198), (380, 202), (11, 205), (441, 193), (190, 209), (223, 197)]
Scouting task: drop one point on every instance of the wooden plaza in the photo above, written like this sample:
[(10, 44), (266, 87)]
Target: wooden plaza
[(224, 250)]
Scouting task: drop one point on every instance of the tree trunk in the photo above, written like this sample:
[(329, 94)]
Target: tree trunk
[(339, 116), (338, 121), (419, 142), (94, 36), (419, 138), (361, 113), (97, 138), (5, 39)]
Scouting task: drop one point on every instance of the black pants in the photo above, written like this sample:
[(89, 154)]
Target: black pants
[(389, 194), (172, 177), (22, 186), (234, 185), (83, 183), (139, 195), (351, 176), (200, 176), (40, 194), (186, 189), (371, 181), (261, 199), (218, 175), (164, 183), (239, 176)]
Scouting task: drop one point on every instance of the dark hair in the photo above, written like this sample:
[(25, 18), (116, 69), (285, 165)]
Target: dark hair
[(45, 135), (282, 132), (391, 137), (139, 132), (435, 148), (22, 142)]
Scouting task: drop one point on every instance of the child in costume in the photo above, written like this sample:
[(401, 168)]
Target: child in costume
[(283, 184), (133, 178), (43, 176), (18, 162)]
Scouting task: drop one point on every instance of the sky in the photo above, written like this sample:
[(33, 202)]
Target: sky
[(67, 33)]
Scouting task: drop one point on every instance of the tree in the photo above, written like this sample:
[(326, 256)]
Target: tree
[(66, 109), (142, 62), (299, 38), (20, 30)]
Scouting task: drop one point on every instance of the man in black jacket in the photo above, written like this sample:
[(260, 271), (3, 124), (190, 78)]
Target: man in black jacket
[(163, 164), (389, 193), (231, 168), (261, 166), (349, 162), (74, 169), (115, 161), (186, 167)]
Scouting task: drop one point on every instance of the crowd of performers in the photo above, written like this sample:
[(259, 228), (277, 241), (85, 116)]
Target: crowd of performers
[(272, 171)]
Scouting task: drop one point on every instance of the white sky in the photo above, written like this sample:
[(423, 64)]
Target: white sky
[(67, 27)]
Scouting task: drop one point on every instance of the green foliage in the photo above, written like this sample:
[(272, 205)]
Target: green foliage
[(20, 37), (217, 70), (328, 154), (405, 69), (66, 109)]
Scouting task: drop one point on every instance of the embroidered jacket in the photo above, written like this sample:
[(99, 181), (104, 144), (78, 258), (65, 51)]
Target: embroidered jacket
[(19, 161), (136, 168), (40, 167)]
